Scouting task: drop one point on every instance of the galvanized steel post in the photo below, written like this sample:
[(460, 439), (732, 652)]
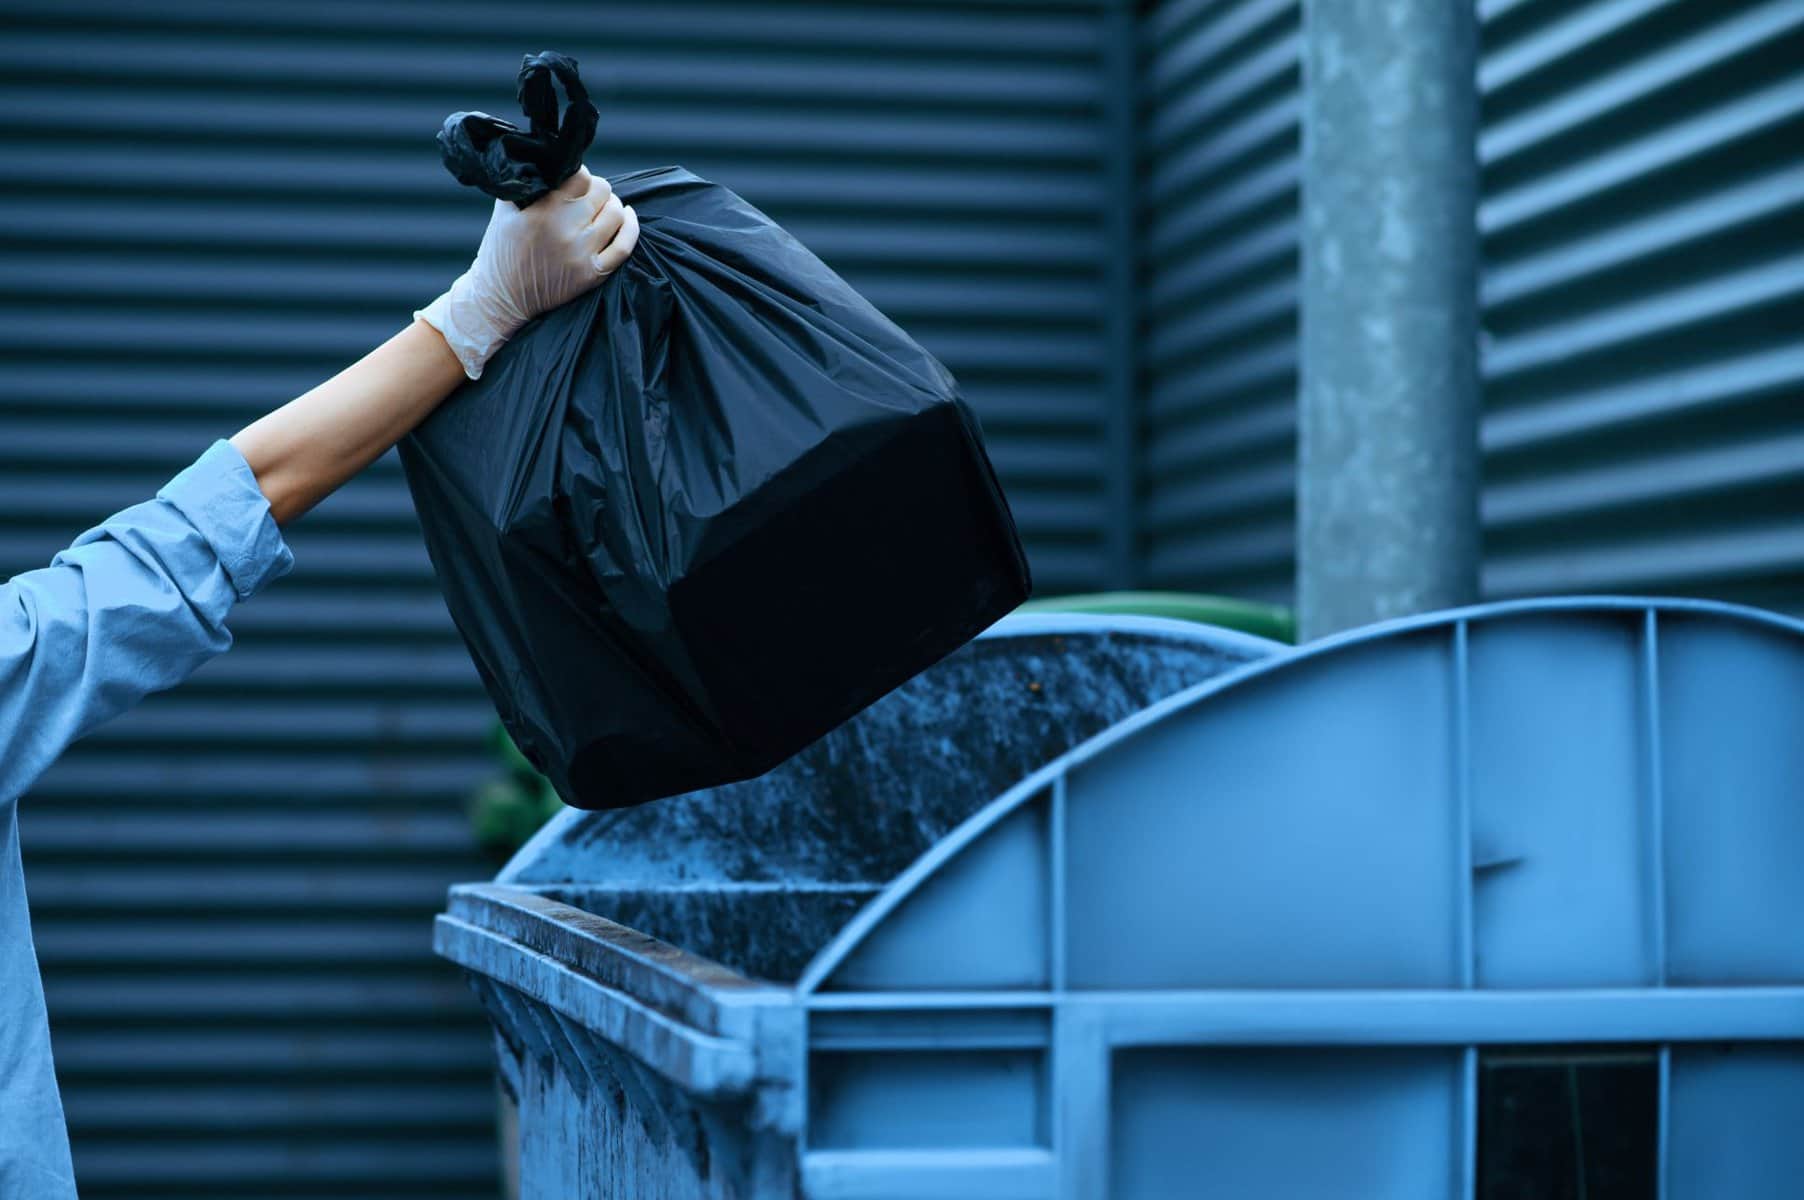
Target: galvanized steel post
[(1387, 505)]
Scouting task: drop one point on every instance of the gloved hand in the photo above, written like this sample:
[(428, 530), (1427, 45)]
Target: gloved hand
[(531, 260)]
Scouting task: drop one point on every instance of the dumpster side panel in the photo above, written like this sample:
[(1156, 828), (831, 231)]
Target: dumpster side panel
[(1560, 822), (1232, 1123), (1734, 1113), (1207, 852), (1732, 702), (598, 1124), (981, 922)]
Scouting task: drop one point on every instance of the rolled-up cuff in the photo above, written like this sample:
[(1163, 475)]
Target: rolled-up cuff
[(220, 497)]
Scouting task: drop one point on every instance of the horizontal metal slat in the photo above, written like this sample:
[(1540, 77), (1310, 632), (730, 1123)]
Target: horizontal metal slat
[(63, 506), (1222, 494), (1630, 162), (1253, 547), (222, 334), (1065, 565), (638, 128), (93, 466), (174, 281), (346, 723), (1270, 367), (222, 1109), (1634, 242), (1492, 9), (372, 558), (1634, 81), (447, 234), (1273, 127), (1624, 405), (1029, 459), (951, 31), (349, 1053), (265, 669), (1668, 561), (1001, 188), (1171, 23), (1677, 477), (1249, 311), (76, 384), (1177, 280), (179, 945), (89, 491), (1663, 315), (377, 1188), (449, 238), (1267, 187), (96, 454), (1033, 401), (306, 889), (192, 779), (676, 74), (1181, 47), (241, 995), (1265, 427), (1056, 514), (1182, 120), (1503, 67), (276, 1162), (997, 190), (354, 617)]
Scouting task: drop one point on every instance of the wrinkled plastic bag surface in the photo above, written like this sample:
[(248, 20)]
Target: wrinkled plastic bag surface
[(694, 519)]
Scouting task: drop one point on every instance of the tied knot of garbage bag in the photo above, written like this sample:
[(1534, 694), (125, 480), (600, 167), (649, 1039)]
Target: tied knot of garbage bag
[(521, 165)]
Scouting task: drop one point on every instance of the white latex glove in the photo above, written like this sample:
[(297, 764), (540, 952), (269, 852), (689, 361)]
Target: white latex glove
[(531, 260)]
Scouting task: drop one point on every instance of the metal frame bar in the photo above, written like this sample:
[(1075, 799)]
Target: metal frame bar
[(703, 1063), (1370, 1017)]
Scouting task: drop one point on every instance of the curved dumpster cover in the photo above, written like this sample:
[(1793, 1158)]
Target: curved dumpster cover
[(760, 874), (1597, 793)]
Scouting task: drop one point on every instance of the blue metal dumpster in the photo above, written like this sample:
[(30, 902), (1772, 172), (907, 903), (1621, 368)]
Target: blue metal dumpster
[(690, 1089), (1321, 926)]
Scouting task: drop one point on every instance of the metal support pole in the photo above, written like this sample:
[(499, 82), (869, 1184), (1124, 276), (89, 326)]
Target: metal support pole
[(1387, 504)]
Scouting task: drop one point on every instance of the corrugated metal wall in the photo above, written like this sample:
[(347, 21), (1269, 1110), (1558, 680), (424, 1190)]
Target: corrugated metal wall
[(1643, 224), (1644, 295), (205, 208), (1219, 176)]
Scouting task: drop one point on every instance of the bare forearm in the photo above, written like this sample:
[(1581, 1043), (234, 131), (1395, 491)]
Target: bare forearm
[(530, 261), (312, 445)]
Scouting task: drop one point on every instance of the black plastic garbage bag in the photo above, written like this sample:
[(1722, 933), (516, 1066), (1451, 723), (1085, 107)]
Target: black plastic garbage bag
[(694, 519)]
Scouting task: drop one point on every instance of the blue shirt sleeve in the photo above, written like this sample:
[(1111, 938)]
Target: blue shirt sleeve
[(133, 606)]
